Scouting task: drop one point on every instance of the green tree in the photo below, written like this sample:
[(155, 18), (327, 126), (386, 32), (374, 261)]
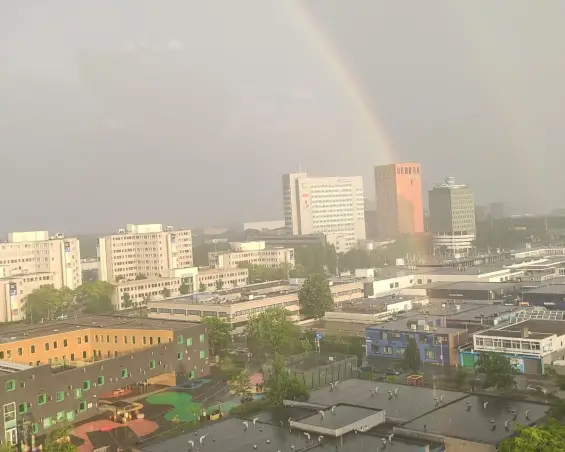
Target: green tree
[(229, 368), (59, 439), (557, 411), (202, 287), (126, 301), (44, 303), (219, 284), (298, 271), (272, 330), (184, 289), (316, 297), (460, 377), (557, 378), (261, 273), (120, 278), (241, 386), (8, 447), (219, 334), (166, 292), (412, 355), (95, 297), (316, 258), (280, 385), (498, 369), (140, 276), (548, 437)]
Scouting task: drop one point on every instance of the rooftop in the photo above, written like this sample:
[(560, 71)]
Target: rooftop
[(401, 325), (537, 314), (343, 416), (537, 329), (549, 289), (229, 435), (411, 402), (479, 285), (21, 332), (371, 305), (457, 421)]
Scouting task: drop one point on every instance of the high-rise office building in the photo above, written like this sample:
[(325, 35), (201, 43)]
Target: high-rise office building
[(398, 190), (333, 206), (31, 260), (146, 249), (452, 217)]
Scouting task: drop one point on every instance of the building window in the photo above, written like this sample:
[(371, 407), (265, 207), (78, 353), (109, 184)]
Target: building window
[(86, 385), (96, 338), (100, 380), (400, 351), (35, 428), (60, 396), (82, 406), (55, 345), (46, 346), (188, 341), (180, 339), (22, 408), (124, 373), (144, 340), (42, 399), (70, 415), (133, 339), (202, 353), (125, 339), (47, 422), (430, 354), (115, 339), (20, 351), (10, 385), (152, 364), (65, 342), (79, 340), (86, 339), (32, 348), (179, 356), (151, 341), (202, 337), (387, 350), (61, 416), (191, 375), (108, 338), (78, 393)]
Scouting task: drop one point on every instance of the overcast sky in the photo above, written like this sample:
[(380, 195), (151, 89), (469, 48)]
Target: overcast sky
[(187, 112)]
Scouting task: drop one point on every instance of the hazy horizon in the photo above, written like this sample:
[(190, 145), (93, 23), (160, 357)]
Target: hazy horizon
[(188, 112)]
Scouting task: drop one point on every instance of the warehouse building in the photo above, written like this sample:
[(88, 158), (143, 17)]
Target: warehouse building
[(550, 296), (480, 291)]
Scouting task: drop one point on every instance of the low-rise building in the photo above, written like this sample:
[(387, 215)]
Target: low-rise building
[(473, 290), (187, 280), (238, 305), (549, 296), (437, 344), (59, 371), (255, 253), (531, 343)]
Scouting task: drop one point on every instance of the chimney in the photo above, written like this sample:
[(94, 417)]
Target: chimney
[(525, 333)]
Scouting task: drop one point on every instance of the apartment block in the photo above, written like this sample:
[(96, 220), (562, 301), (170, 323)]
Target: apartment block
[(398, 190), (251, 252), (152, 250), (59, 371), (325, 205), (144, 290), (30, 260)]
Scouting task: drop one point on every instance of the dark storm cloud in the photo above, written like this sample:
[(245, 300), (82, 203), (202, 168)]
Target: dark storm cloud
[(187, 112)]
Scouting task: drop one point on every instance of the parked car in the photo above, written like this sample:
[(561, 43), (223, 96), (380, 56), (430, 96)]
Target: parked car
[(390, 371), (537, 388)]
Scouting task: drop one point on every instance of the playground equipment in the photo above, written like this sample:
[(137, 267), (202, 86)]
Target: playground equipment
[(123, 412), (415, 380)]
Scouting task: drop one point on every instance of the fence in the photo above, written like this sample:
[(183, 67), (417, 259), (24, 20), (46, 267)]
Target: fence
[(317, 370)]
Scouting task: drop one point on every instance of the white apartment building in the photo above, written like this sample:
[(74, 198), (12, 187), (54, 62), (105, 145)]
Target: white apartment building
[(252, 252), (152, 250), (326, 205), (196, 280), (29, 260)]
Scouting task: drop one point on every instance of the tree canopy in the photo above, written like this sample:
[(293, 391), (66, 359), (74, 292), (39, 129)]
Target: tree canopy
[(412, 356), (273, 331), (219, 334), (95, 297), (316, 297), (543, 438), (498, 369), (58, 440), (280, 385), (316, 258), (241, 385)]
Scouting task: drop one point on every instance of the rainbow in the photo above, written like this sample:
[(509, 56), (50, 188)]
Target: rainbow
[(381, 148)]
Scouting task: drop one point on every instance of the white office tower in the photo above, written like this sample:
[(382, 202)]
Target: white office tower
[(333, 206), (31, 260), (143, 249), (452, 218)]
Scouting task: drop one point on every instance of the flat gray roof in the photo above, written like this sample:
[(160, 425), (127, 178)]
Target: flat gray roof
[(229, 436), (538, 329), (479, 285), (344, 415), (454, 420), (411, 402), (548, 289), (401, 325), (488, 311)]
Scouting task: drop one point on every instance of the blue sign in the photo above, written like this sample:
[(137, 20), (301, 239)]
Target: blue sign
[(319, 336)]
